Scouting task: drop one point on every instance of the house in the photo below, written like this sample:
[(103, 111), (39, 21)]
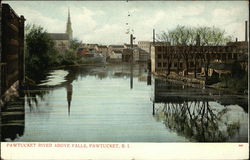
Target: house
[(144, 45), (102, 49), (115, 56), (127, 46), (127, 55), (145, 49), (112, 48), (82, 51), (89, 45)]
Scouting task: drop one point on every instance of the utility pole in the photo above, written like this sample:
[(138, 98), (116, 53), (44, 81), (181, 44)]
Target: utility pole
[(131, 46), (131, 41), (153, 36), (131, 61), (246, 31)]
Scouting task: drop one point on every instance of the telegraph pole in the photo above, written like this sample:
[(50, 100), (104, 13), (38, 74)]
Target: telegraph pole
[(153, 36), (131, 41), (131, 61)]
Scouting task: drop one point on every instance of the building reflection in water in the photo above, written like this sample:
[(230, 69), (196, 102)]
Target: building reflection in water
[(131, 75), (197, 117), (12, 119), (69, 89)]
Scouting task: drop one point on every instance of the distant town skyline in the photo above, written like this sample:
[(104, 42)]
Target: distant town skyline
[(106, 22)]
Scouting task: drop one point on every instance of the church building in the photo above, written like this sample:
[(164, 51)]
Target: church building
[(62, 40)]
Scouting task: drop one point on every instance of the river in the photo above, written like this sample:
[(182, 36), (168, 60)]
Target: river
[(120, 103)]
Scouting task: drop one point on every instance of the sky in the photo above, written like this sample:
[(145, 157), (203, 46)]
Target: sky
[(107, 22)]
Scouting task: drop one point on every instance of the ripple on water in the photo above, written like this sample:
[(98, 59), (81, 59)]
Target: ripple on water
[(55, 77)]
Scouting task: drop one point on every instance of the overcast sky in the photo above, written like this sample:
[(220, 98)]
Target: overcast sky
[(106, 22)]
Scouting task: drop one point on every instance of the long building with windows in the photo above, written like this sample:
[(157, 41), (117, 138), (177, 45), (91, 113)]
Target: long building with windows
[(166, 58)]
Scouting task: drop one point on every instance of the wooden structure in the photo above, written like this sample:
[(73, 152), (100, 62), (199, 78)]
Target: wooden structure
[(12, 44)]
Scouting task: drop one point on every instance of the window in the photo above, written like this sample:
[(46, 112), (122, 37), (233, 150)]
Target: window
[(218, 56), (191, 64), (175, 64), (181, 65), (159, 56), (159, 64), (234, 56), (159, 49), (223, 56)]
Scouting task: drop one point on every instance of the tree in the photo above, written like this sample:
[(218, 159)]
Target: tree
[(182, 35), (194, 36), (75, 44), (40, 52)]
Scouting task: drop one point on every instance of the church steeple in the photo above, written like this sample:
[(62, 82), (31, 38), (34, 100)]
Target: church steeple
[(69, 30), (69, 16)]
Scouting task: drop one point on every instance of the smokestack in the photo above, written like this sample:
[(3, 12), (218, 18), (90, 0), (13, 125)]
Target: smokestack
[(131, 41), (153, 36), (198, 40), (236, 40), (246, 31)]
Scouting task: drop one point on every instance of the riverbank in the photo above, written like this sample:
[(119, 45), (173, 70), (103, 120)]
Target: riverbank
[(197, 83), (93, 64), (76, 65)]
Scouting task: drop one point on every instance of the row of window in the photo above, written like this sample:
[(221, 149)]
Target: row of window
[(175, 64), (215, 56), (224, 49)]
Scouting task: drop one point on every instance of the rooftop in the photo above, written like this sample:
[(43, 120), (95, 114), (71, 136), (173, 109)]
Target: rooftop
[(238, 43), (101, 46), (117, 52), (116, 46), (59, 36)]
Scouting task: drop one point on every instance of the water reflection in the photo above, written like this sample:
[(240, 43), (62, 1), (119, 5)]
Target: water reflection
[(116, 99), (199, 118), (69, 89), (33, 95), (131, 75)]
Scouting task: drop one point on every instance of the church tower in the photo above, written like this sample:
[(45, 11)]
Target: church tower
[(69, 30)]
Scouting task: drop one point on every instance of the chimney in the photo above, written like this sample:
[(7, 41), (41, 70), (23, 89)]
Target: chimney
[(236, 40), (198, 40), (246, 31)]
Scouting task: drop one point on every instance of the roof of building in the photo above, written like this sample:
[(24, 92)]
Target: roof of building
[(144, 42), (129, 45), (59, 36), (117, 46), (238, 43), (117, 52), (101, 46)]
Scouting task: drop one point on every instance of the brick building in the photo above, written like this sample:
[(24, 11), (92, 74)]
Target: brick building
[(166, 58)]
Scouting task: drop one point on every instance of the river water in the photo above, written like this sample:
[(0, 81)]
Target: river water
[(120, 103)]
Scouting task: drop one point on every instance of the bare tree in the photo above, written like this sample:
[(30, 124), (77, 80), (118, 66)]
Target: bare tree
[(194, 36)]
